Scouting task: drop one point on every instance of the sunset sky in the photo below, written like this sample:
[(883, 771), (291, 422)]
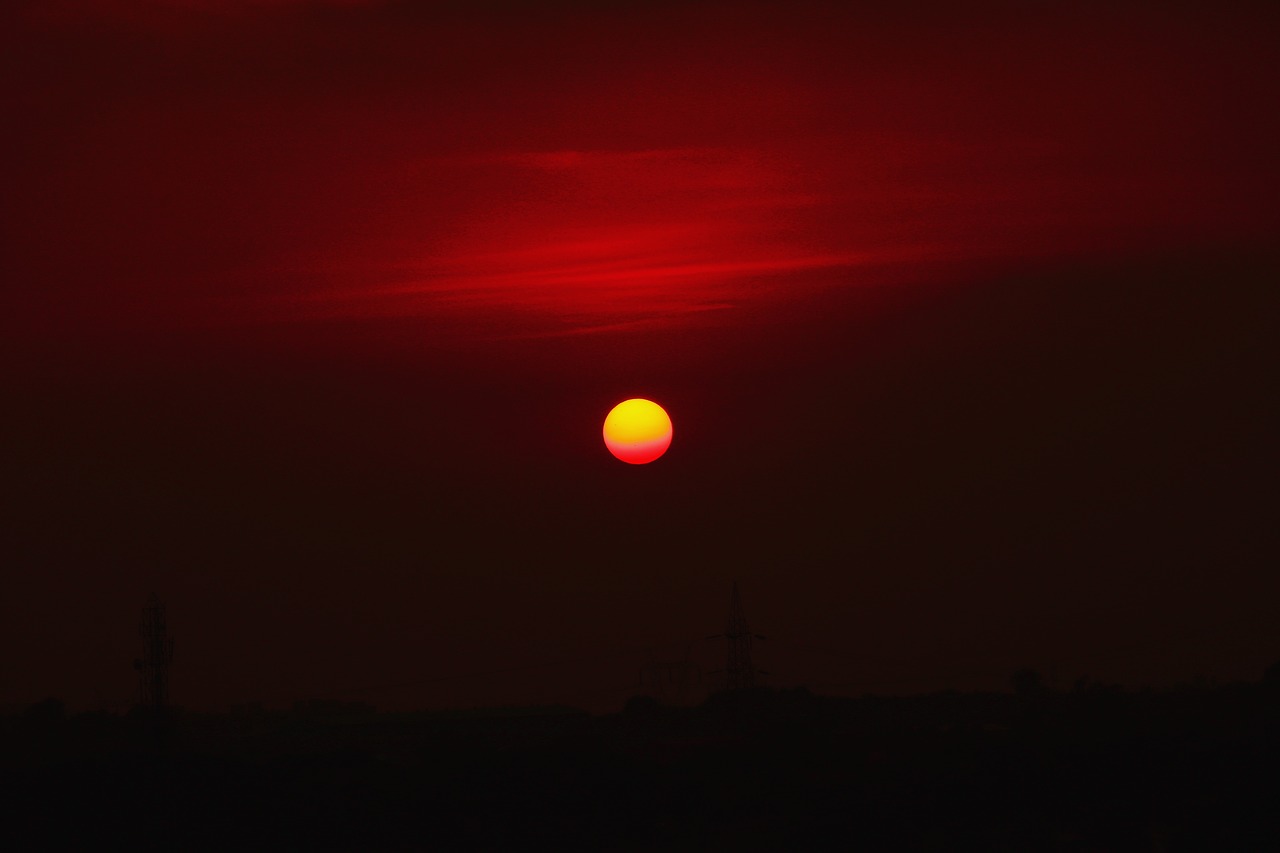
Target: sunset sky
[(965, 316)]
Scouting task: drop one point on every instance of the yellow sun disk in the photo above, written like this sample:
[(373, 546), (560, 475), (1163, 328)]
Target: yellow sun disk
[(637, 431)]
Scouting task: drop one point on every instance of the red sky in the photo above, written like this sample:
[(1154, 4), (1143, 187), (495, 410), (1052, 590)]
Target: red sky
[(314, 310)]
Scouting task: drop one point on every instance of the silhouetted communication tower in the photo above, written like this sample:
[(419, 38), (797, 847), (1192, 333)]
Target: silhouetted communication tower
[(739, 671), (157, 654)]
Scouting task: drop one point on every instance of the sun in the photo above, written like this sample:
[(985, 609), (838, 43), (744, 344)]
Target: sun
[(637, 431)]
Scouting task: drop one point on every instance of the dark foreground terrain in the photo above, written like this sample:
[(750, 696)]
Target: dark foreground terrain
[(1093, 769)]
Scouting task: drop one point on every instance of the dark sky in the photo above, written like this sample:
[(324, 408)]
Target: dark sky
[(312, 313)]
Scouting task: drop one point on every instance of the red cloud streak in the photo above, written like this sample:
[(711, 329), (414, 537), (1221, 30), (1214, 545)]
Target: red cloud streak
[(579, 171)]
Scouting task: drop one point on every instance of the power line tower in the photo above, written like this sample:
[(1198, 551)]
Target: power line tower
[(671, 680), (739, 670), (157, 655)]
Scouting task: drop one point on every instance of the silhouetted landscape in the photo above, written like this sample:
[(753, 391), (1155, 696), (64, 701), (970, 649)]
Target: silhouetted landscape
[(961, 317), (1092, 768)]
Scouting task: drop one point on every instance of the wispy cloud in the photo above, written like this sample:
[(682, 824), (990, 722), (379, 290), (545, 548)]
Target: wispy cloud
[(617, 236)]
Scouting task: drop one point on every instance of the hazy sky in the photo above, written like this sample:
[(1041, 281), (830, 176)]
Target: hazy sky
[(964, 317)]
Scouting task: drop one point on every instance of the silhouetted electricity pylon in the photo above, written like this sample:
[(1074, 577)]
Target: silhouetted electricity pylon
[(739, 670), (157, 654), (670, 681)]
